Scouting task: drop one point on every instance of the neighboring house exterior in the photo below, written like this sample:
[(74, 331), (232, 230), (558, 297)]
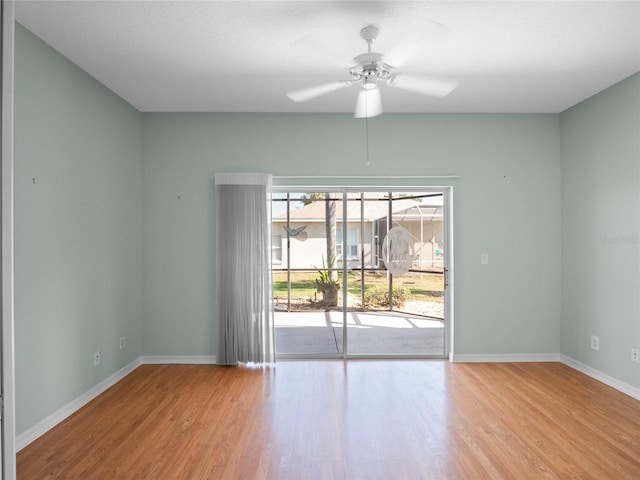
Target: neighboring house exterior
[(366, 229)]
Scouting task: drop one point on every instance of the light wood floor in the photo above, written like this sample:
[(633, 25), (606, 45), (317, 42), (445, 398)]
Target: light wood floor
[(347, 420)]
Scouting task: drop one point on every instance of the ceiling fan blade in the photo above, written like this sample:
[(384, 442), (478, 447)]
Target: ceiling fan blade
[(399, 56), (369, 103), (317, 91), (433, 86)]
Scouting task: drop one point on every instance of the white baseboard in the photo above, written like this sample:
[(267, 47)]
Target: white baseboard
[(178, 360), (601, 377), (504, 357), (58, 416)]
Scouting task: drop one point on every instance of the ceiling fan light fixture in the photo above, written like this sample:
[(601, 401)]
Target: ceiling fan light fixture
[(369, 83), (369, 104)]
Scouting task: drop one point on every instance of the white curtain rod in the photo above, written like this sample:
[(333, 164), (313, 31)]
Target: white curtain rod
[(361, 177)]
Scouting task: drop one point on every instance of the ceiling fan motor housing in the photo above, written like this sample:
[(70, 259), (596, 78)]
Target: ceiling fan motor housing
[(370, 68)]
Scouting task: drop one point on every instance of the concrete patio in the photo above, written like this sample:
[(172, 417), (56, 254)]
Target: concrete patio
[(368, 333)]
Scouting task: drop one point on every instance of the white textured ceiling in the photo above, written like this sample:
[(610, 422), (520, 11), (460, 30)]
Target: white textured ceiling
[(240, 56)]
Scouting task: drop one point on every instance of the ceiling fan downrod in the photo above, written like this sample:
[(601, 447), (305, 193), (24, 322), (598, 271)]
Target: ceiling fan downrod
[(369, 35)]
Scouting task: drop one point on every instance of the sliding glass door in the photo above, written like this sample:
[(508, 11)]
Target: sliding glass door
[(306, 277), (399, 315), (335, 296)]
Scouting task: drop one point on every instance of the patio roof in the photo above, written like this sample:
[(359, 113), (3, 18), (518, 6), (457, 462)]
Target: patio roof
[(407, 209)]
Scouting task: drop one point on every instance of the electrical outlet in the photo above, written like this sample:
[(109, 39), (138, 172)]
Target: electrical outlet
[(96, 359), (635, 355), (595, 342), (122, 343), (484, 259)]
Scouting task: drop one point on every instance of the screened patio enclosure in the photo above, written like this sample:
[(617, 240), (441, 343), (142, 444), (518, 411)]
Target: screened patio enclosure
[(333, 294)]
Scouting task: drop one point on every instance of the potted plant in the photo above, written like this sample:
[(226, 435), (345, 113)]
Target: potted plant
[(327, 286)]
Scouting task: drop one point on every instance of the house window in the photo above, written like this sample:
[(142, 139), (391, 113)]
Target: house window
[(276, 248), (352, 243)]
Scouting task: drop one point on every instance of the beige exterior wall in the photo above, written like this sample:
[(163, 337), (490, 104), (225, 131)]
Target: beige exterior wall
[(309, 248), (432, 253)]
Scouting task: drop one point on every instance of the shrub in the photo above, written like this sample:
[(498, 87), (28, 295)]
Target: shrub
[(378, 296)]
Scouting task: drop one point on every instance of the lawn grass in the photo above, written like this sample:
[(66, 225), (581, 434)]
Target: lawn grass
[(426, 288)]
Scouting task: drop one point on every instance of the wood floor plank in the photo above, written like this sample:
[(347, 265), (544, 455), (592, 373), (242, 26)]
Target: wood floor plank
[(386, 419)]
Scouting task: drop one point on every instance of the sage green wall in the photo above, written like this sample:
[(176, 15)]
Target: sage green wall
[(507, 204), (77, 230), (601, 230)]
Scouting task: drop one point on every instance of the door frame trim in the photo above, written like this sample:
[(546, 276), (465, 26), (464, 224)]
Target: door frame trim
[(7, 164), (447, 200)]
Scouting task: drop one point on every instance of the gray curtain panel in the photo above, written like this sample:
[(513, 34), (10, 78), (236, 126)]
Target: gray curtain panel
[(244, 291)]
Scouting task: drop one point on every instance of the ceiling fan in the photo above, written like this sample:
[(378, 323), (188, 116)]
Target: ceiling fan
[(371, 70)]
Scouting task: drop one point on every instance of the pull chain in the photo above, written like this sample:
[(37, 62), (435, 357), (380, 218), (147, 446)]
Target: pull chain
[(366, 122)]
